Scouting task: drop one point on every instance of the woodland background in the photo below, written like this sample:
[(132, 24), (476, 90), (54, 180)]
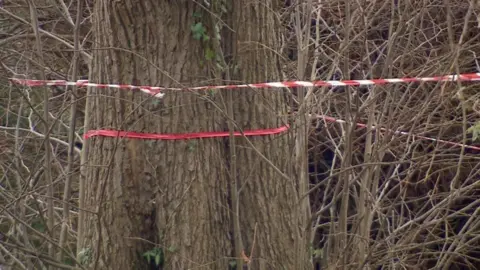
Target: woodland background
[(322, 196)]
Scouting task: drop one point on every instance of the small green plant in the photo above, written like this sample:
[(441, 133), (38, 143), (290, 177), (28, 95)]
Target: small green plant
[(192, 145), (199, 32), (81, 130), (155, 255), (211, 92), (475, 130), (155, 102), (318, 253), (209, 54)]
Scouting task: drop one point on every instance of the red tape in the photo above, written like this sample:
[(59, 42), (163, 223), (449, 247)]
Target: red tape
[(155, 90), (182, 136)]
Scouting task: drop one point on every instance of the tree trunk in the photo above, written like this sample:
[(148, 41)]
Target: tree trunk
[(176, 194), (271, 217), (137, 186)]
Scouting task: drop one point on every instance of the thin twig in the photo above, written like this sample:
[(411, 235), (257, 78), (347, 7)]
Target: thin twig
[(71, 132)]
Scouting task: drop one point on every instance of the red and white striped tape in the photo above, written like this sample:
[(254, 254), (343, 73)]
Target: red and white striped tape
[(414, 136), (155, 90)]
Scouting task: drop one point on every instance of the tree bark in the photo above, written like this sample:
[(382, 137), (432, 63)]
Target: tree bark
[(271, 218), (173, 193), (177, 194)]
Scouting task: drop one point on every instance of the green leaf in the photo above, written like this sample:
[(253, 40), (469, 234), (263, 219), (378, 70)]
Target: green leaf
[(211, 92), (198, 31), (154, 254), (475, 130), (191, 148), (317, 253), (209, 54), (149, 253), (197, 36)]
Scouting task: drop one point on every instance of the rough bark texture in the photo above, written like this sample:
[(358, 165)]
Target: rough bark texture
[(269, 220), (176, 193), (140, 42)]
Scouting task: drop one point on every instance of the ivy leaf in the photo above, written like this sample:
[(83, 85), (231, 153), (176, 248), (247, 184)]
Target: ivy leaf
[(198, 31), (475, 130), (211, 92), (157, 259), (209, 54), (318, 253), (155, 102), (198, 27), (197, 36)]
